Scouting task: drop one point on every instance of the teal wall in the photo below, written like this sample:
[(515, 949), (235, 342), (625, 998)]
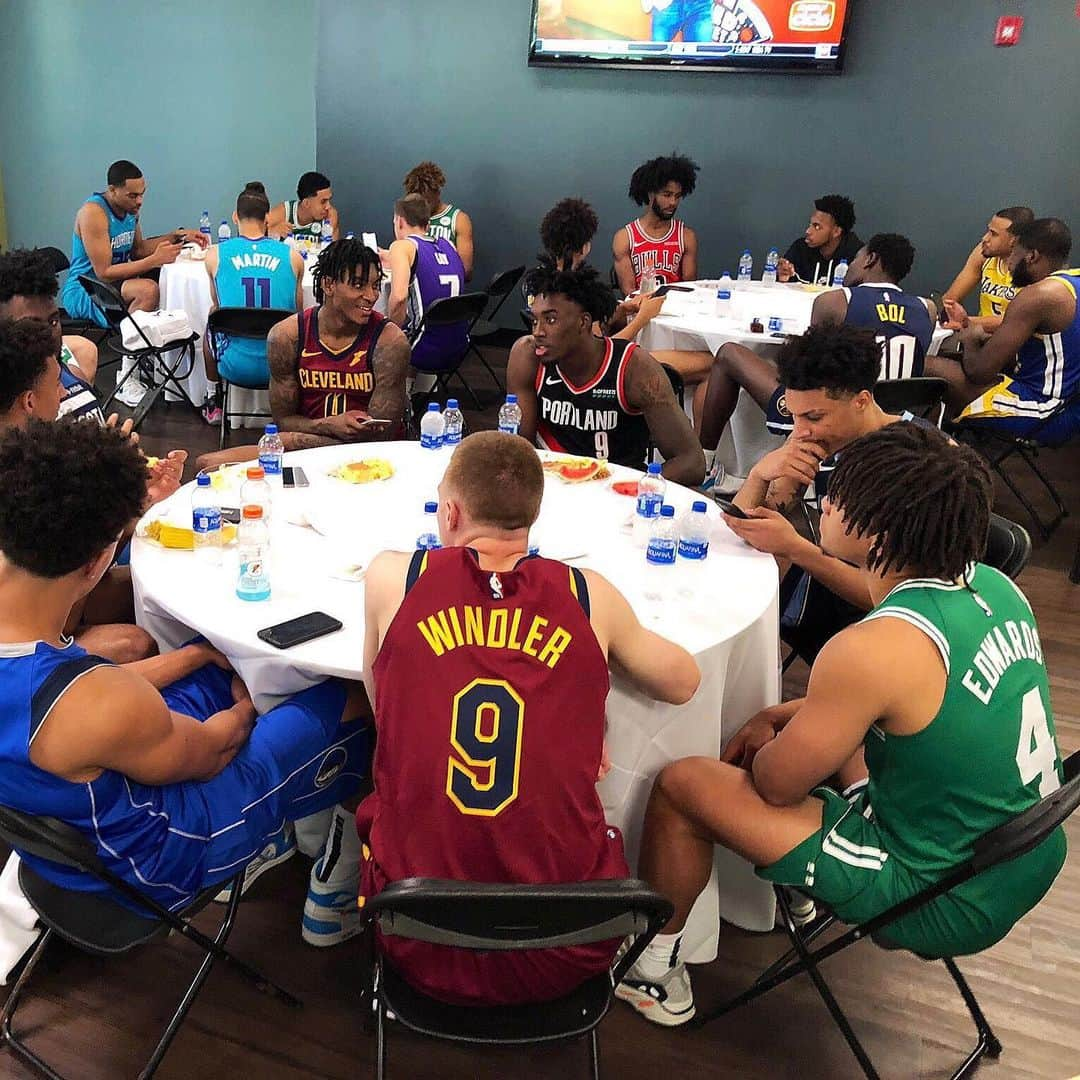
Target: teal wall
[(202, 95), (929, 129)]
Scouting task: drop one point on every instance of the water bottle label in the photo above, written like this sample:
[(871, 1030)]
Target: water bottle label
[(270, 464), (206, 519), (723, 294), (693, 549), (452, 438), (430, 442), (660, 551), (648, 505), (427, 542), (508, 427)]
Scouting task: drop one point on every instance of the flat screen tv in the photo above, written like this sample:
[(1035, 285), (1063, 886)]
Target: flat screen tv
[(691, 35)]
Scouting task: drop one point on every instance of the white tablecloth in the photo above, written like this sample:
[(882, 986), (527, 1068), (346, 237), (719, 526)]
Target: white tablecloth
[(724, 612)]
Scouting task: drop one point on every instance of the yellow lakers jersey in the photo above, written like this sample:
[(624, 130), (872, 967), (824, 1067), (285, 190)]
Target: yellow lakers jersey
[(996, 288)]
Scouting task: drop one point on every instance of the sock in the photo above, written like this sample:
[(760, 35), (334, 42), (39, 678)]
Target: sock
[(126, 364), (659, 957), (710, 456), (211, 390), (311, 833), (339, 867)]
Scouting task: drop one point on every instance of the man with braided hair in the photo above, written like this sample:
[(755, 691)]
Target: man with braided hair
[(594, 396), (929, 754)]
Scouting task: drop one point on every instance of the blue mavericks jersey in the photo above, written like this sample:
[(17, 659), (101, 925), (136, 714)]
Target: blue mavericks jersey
[(438, 272), (901, 322), (1048, 365)]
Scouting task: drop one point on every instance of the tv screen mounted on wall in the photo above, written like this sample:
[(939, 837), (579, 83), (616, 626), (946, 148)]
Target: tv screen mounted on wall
[(691, 35)]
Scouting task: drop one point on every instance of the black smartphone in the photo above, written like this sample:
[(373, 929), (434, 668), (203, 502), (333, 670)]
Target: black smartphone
[(231, 514), (663, 290), (730, 508), (285, 635), (293, 476)]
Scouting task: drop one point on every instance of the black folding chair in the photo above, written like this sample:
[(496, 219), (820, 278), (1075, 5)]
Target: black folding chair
[(449, 311), (498, 918), (151, 358), (97, 924), (923, 396), (998, 447), (1009, 841), (59, 263), (484, 329), (1008, 546), (252, 324), (526, 319)]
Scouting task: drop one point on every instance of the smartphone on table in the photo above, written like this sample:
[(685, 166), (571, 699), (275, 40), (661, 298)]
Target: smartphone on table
[(296, 631), (293, 476)]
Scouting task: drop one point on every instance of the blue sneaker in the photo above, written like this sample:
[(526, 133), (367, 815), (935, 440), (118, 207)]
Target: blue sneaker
[(331, 914), (278, 849)]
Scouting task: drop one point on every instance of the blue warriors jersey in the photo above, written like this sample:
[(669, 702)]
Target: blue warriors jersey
[(1048, 365), (901, 323), (437, 273), (255, 274), (76, 299)]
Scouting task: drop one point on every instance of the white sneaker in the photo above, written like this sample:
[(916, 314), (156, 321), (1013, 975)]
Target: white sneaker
[(803, 908), (132, 392), (668, 1001), (279, 848), (331, 914)]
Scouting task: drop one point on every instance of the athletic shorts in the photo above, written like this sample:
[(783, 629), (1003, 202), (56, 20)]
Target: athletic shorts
[(77, 303), (777, 418), (847, 866), (811, 613), (243, 362), (1011, 408)]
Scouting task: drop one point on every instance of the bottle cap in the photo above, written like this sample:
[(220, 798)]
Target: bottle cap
[(726, 273), (511, 399), (433, 406), (255, 472), (451, 403), (746, 251), (699, 507), (203, 479), (654, 468), (430, 507), (271, 429), (252, 512), (667, 510)]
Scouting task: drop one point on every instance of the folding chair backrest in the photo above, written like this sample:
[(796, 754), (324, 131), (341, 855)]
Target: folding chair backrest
[(503, 283), (456, 309), (242, 322), (922, 396), (527, 319), (48, 838), (1008, 546), (107, 298), (466, 915), (57, 259)]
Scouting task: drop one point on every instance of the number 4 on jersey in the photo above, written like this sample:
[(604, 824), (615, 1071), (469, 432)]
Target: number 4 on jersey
[(1036, 754)]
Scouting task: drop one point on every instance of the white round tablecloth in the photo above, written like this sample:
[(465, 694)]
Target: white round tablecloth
[(724, 611)]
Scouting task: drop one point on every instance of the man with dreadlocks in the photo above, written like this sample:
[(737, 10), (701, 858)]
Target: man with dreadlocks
[(594, 396), (900, 739), (656, 244)]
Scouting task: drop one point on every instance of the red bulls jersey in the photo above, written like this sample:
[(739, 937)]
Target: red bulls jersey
[(335, 382), (663, 257), (486, 766)]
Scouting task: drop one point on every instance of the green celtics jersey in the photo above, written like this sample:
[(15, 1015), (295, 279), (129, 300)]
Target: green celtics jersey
[(311, 231), (444, 224), (990, 752)]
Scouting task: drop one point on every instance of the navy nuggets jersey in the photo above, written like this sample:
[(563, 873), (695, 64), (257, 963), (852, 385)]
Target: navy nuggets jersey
[(485, 768), (901, 322), (594, 420)]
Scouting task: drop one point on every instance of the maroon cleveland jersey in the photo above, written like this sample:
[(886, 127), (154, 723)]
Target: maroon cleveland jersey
[(490, 719), (335, 382)]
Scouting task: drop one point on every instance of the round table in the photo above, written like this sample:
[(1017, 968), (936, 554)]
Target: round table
[(724, 611)]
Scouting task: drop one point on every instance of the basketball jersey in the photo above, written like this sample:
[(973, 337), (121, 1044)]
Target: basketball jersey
[(335, 382), (79, 402), (443, 226), (485, 768), (901, 323), (311, 231), (1048, 365), (663, 257), (122, 241), (437, 272), (990, 753), (996, 288), (594, 420)]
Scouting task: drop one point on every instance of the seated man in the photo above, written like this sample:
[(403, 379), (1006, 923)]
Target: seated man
[(108, 244), (445, 220), (987, 268), (1011, 381), (160, 764), (423, 270), (303, 217), (250, 270), (517, 801), (692, 19), (594, 396), (958, 738), (657, 245), (828, 239)]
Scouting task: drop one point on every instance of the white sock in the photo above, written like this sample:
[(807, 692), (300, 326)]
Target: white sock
[(339, 866), (660, 956), (710, 455), (211, 390), (126, 364), (311, 832)]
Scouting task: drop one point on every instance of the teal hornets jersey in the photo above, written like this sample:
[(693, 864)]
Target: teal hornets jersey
[(1048, 365), (75, 299)]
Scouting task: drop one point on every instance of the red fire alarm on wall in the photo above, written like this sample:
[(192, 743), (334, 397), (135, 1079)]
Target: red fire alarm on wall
[(1008, 29)]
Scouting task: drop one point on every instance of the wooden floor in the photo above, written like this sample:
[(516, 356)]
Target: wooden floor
[(96, 1019)]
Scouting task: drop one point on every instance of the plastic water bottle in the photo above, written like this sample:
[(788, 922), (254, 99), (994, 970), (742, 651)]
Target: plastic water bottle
[(651, 490), (663, 538), (431, 427), (271, 449), (694, 533), (772, 261), (746, 266), (255, 491), (206, 521), (204, 224), (326, 233), (723, 295), (839, 273), (453, 423), (350, 236), (428, 537), (253, 581), (510, 416), (223, 232)]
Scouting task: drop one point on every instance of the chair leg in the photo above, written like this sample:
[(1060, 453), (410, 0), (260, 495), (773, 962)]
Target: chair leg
[(7, 1035), (380, 1040), (223, 436), (988, 1042), (490, 370), (1074, 574), (594, 1054), (471, 391)]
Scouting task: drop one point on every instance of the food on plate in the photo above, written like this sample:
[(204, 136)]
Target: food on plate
[(365, 471), (576, 470), (151, 462), (625, 487), (177, 536)]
